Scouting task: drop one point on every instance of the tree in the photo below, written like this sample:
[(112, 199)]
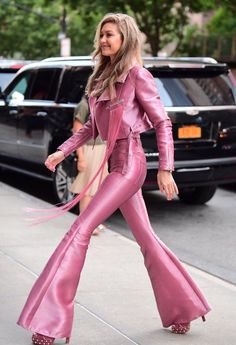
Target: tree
[(223, 22), (162, 21), (29, 29), (81, 31), (218, 37), (25, 34)]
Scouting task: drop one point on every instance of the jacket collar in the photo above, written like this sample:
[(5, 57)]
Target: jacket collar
[(122, 78), (105, 95)]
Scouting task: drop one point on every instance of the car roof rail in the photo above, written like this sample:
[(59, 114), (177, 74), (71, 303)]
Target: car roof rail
[(69, 58), (180, 59), (146, 59)]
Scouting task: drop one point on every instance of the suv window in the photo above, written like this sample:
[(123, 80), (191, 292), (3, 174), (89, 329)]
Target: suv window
[(45, 84), (73, 84), (193, 90), (22, 85)]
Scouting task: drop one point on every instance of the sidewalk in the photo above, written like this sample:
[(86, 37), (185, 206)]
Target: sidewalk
[(115, 303)]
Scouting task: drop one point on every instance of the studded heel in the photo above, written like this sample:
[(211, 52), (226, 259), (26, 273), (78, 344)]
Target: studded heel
[(182, 328), (40, 339)]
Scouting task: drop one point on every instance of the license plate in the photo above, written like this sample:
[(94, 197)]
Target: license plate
[(189, 132)]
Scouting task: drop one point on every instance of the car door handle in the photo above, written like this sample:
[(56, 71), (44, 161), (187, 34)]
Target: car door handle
[(41, 113), (13, 112)]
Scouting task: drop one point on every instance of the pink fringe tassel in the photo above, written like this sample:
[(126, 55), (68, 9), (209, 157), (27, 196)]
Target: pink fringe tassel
[(114, 126)]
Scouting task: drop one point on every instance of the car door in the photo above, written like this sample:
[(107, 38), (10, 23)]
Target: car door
[(9, 113), (36, 113)]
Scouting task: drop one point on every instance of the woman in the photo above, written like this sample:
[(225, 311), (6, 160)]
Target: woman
[(89, 158), (123, 102)]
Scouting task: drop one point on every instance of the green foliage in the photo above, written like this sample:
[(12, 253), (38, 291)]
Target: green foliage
[(162, 21), (191, 44), (223, 22), (81, 30), (30, 35), (217, 40), (26, 34)]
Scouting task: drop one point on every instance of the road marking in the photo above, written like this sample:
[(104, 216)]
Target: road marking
[(106, 323)]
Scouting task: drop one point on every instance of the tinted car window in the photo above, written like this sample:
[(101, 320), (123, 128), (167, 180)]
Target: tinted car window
[(195, 91), (73, 84), (22, 85), (45, 84)]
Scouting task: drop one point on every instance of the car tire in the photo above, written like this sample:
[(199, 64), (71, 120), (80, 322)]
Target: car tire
[(197, 195), (61, 184)]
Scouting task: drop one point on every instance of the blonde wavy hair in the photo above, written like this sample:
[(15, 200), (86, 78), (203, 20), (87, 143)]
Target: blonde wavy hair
[(128, 54)]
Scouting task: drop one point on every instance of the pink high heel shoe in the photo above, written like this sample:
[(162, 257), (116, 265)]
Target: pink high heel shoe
[(182, 328), (40, 339)]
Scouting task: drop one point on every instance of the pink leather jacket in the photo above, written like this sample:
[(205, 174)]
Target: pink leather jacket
[(142, 110)]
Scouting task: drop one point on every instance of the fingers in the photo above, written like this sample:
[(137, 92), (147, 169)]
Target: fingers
[(176, 189), (169, 190), (168, 187), (54, 159), (50, 164)]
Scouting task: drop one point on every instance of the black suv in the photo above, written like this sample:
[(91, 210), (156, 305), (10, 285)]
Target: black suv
[(199, 94)]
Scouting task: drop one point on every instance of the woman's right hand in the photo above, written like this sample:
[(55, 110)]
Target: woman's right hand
[(54, 159)]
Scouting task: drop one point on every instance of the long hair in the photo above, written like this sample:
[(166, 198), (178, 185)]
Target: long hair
[(128, 54)]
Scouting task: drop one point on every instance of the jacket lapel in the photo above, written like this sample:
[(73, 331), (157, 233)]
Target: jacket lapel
[(105, 97), (92, 101)]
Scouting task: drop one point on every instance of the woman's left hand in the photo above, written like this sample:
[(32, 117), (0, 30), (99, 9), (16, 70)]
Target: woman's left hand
[(167, 184)]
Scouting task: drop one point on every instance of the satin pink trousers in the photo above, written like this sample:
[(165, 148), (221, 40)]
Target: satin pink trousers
[(50, 305)]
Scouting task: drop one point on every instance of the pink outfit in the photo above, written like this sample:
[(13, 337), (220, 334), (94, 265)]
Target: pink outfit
[(142, 110), (49, 307)]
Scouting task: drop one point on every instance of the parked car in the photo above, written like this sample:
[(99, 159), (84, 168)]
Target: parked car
[(199, 94)]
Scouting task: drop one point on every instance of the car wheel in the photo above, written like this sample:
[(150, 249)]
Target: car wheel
[(61, 183), (197, 195)]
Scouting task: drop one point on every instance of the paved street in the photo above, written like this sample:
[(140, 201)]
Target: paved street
[(160, 91), (203, 236), (114, 304)]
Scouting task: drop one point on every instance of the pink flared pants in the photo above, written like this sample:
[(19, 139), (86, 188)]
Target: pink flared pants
[(50, 305)]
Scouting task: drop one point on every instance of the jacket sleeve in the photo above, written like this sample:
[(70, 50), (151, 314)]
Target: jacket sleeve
[(148, 97), (77, 139)]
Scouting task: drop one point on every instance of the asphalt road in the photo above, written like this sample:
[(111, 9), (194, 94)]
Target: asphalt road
[(202, 236)]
